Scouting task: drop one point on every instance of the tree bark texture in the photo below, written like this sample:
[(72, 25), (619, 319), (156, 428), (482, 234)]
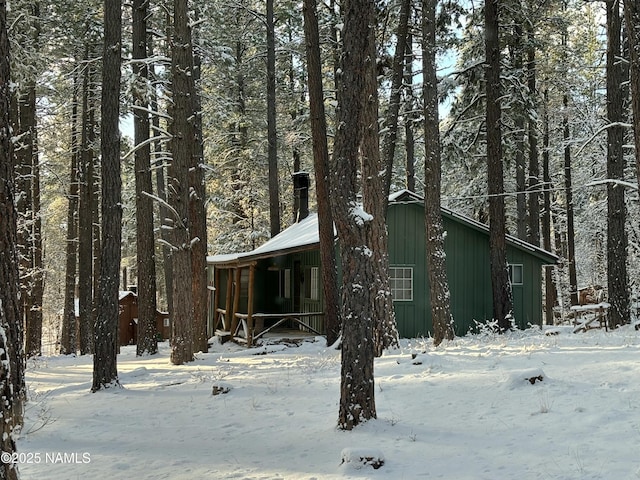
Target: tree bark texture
[(374, 201), (11, 363), (85, 217), (33, 277), (410, 116), (391, 123), (181, 150), (105, 370), (28, 201), (147, 342), (272, 134), (617, 278), (68, 335), (502, 300), (519, 122), (632, 19), (436, 258), (355, 226), (321, 167), (533, 217), (33, 335), (550, 287), (198, 218), (568, 186), (161, 187)]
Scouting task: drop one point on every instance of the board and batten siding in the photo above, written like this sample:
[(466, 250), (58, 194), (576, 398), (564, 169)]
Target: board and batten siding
[(467, 250), (405, 224)]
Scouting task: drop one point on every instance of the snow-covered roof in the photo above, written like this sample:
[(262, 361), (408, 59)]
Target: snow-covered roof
[(121, 294), (298, 236), (125, 293), (304, 235)]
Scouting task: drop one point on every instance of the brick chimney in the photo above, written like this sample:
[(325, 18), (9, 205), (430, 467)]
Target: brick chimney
[(301, 195)]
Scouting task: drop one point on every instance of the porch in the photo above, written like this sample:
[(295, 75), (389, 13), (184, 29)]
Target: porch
[(252, 299)]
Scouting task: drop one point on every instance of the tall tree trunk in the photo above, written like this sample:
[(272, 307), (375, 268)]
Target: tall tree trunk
[(105, 370), (436, 259), (321, 168), (374, 201), (502, 301), (391, 123), (409, 116), (35, 316), (29, 240), (519, 124), (356, 227), (198, 219), (24, 201), (632, 20), (181, 150), (85, 217), (68, 336), (161, 187), (533, 216), (550, 291), (617, 278), (568, 186), (147, 342), (33, 335), (272, 134), (11, 354), (97, 236)]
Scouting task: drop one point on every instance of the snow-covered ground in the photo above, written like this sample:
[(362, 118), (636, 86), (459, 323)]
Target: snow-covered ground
[(465, 410)]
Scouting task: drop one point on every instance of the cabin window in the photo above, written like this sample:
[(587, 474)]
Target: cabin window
[(166, 322), (285, 283), (516, 274), (312, 283), (401, 283)]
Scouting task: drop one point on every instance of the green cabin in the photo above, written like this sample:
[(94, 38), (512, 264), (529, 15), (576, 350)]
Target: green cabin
[(280, 281)]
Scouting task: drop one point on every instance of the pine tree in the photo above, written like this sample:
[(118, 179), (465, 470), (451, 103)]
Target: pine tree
[(436, 259), (502, 301), (105, 370), (147, 336), (182, 150), (618, 283), (11, 365), (321, 167), (356, 227)]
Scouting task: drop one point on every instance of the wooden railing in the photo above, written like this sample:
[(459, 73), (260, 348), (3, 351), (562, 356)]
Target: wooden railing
[(247, 323)]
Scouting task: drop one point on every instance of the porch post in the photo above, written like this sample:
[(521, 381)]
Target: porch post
[(252, 269), (227, 303), (216, 297), (236, 300)]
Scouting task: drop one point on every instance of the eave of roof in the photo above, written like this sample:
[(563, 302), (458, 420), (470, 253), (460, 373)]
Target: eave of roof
[(300, 236), (406, 196), (303, 236)]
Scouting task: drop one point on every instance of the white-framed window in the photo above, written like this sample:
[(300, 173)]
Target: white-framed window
[(401, 283), (167, 322), (516, 274), (285, 283), (312, 283)]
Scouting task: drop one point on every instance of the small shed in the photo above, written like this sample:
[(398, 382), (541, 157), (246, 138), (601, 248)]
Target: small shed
[(128, 320), (280, 281)]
